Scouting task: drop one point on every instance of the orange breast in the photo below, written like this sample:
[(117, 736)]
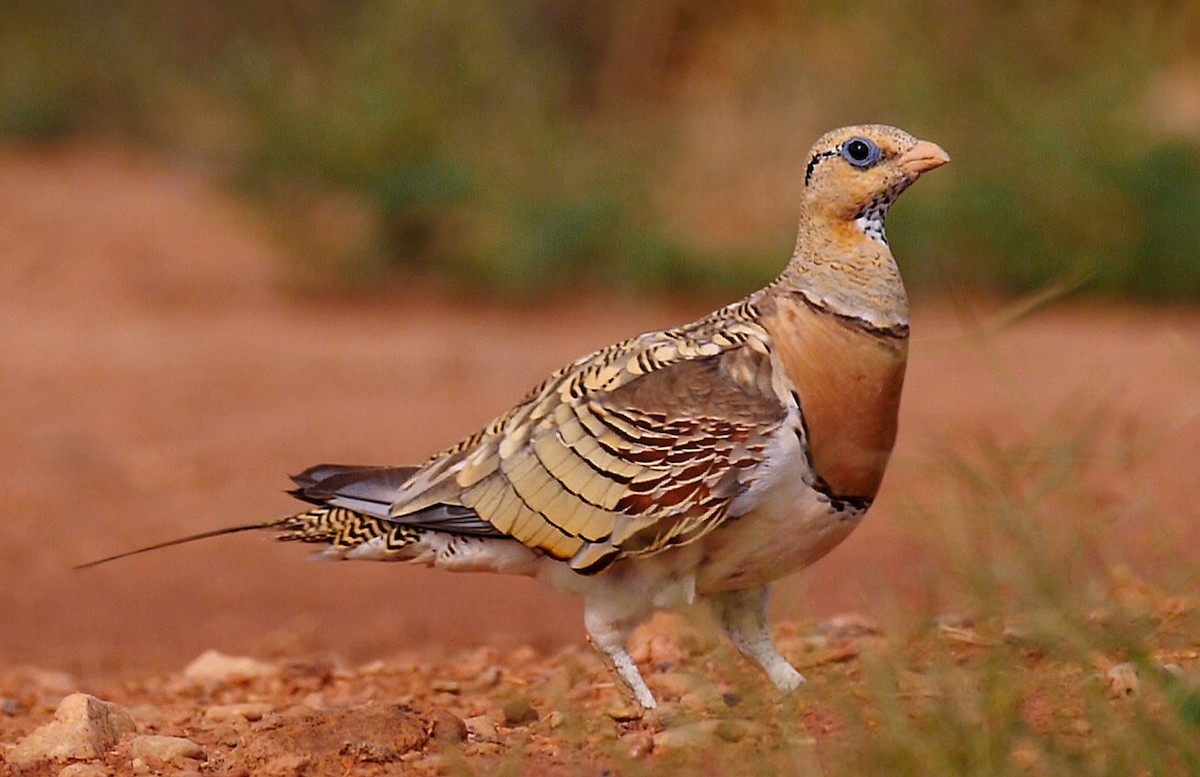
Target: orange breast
[(848, 381)]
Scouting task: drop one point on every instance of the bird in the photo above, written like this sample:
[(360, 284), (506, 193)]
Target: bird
[(693, 465)]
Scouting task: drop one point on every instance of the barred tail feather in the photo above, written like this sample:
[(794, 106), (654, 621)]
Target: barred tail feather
[(337, 527), (348, 534), (343, 530)]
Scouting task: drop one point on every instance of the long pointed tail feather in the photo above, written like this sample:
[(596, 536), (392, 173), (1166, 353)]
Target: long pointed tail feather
[(182, 541), (337, 527)]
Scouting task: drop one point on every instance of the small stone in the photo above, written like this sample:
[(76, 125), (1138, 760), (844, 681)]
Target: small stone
[(482, 728), (212, 666), (165, 751), (1172, 670), (519, 712), (686, 737), (446, 686), (490, 677), (625, 714), (84, 728), (233, 712), (9, 706), (448, 728), (83, 770), (702, 700), (225, 734), (554, 719), (1122, 680)]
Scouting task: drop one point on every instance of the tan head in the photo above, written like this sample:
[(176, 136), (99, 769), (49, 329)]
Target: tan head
[(842, 261), (857, 172)]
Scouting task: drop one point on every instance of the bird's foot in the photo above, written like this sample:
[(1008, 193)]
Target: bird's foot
[(784, 676)]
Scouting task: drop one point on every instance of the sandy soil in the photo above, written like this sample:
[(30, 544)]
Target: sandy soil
[(156, 379)]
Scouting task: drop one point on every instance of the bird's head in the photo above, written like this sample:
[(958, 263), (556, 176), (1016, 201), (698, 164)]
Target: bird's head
[(855, 173)]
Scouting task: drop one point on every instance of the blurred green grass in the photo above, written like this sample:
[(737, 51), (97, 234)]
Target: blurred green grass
[(516, 146)]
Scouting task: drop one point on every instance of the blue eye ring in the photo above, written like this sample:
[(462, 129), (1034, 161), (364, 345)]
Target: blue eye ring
[(860, 152)]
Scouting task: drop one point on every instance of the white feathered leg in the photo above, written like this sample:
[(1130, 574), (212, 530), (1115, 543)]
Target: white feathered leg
[(609, 631), (743, 615)]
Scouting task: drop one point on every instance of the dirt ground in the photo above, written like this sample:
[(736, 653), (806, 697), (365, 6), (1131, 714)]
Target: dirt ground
[(157, 379)]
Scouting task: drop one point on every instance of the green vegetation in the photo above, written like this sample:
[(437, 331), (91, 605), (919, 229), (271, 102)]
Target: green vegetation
[(518, 145)]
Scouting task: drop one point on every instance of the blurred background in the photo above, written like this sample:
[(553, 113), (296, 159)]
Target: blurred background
[(651, 145), (239, 239)]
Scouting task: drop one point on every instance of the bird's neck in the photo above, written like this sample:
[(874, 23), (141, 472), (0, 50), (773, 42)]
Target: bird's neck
[(846, 269)]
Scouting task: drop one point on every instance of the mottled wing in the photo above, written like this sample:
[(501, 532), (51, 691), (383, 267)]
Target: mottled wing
[(638, 448)]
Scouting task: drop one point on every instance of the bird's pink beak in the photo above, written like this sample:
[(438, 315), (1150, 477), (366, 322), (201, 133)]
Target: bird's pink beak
[(922, 158)]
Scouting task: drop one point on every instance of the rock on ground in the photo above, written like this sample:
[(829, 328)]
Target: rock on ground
[(83, 728), (83, 770), (165, 751), (213, 666)]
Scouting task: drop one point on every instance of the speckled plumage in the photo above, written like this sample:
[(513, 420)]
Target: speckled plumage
[(695, 463)]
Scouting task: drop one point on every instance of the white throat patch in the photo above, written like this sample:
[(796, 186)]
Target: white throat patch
[(871, 223), (870, 219)]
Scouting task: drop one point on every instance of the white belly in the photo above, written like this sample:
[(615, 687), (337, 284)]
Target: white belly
[(792, 528)]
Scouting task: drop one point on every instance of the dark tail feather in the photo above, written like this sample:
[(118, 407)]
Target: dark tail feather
[(183, 541)]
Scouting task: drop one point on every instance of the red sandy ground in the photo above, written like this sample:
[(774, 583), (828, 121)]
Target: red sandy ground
[(156, 380)]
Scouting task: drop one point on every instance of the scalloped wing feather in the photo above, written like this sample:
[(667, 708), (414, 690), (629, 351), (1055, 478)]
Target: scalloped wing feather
[(636, 448)]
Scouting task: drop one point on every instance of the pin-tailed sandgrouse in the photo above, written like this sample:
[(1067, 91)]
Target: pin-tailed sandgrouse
[(698, 463)]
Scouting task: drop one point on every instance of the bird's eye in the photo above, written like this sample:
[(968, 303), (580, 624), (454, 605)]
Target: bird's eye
[(860, 152)]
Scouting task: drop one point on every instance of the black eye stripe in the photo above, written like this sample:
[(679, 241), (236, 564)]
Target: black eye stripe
[(812, 163)]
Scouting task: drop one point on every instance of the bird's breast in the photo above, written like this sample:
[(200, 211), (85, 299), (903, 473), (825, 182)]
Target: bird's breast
[(847, 380)]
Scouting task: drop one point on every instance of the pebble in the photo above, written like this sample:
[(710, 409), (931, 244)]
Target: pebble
[(84, 728), (165, 751), (686, 737), (233, 712), (448, 728), (625, 714), (519, 712), (446, 686), (482, 728), (9, 706), (702, 733), (703, 700), (212, 666), (490, 677), (1172, 670), (83, 770), (1122, 680), (734, 730)]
